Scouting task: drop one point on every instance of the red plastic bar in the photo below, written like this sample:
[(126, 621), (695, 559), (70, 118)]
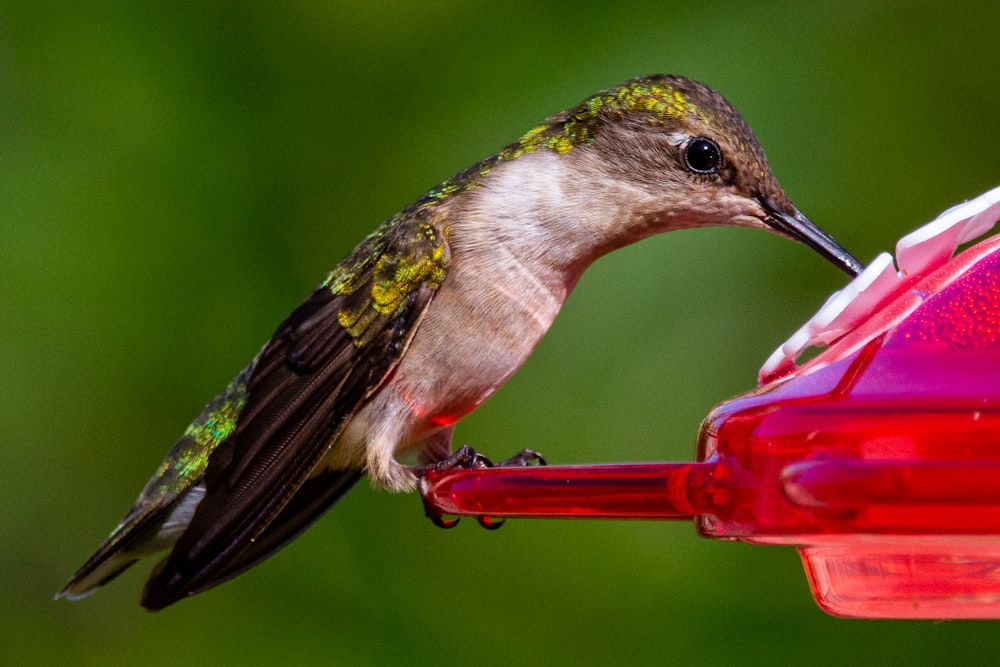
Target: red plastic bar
[(625, 491)]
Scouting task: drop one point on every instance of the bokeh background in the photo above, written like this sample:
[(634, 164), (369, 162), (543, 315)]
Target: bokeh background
[(174, 179)]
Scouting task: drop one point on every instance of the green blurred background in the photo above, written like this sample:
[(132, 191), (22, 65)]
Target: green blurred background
[(174, 180)]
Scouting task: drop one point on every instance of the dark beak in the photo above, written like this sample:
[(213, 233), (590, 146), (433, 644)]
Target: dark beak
[(801, 228)]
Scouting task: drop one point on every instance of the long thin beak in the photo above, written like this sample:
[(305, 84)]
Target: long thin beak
[(801, 228)]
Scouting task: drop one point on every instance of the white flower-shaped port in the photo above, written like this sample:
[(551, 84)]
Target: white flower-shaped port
[(917, 254)]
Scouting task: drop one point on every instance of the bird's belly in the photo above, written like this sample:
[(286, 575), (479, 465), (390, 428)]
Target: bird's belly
[(464, 350), (447, 381)]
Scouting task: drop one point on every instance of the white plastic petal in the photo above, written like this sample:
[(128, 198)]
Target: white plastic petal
[(917, 254)]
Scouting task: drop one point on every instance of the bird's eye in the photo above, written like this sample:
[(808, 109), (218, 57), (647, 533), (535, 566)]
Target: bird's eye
[(702, 156)]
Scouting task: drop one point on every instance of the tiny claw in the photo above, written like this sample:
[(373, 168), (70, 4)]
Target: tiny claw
[(523, 458), (433, 513), (465, 458), (489, 523), (437, 518)]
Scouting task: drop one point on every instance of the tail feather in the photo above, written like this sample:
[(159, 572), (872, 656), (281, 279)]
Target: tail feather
[(316, 496), (145, 531), (94, 575)]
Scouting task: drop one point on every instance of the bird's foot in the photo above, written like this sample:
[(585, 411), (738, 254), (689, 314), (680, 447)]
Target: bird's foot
[(466, 458), (525, 457)]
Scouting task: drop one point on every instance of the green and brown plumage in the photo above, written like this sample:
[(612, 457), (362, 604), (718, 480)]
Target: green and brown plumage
[(429, 316)]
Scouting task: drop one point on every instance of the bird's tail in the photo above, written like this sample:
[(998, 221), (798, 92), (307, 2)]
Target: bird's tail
[(316, 496), (89, 579)]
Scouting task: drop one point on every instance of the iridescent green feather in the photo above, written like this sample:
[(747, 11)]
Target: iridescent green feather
[(188, 459), (650, 99), (418, 258), (185, 463)]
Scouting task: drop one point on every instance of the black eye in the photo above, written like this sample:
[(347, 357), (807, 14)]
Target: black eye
[(702, 156)]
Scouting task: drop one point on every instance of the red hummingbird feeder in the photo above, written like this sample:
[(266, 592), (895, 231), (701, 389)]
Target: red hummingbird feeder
[(878, 459)]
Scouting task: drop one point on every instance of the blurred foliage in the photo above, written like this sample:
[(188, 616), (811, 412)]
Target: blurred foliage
[(174, 177)]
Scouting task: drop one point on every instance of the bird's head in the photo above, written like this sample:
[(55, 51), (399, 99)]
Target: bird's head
[(687, 156)]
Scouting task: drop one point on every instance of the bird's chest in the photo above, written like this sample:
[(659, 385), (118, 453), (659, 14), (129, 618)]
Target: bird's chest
[(478, 330)]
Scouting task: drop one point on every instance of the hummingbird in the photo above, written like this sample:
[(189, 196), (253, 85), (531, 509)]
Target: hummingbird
[(429, 315)]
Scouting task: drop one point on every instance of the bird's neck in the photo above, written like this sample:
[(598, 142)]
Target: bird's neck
[(550, 215)]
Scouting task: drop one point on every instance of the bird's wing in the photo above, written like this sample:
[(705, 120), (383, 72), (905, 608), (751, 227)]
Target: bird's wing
[(312, 500), (323, 362)]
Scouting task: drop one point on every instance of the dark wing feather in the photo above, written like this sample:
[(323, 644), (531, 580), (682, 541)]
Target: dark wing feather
[(311, 501), (323, 362)]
